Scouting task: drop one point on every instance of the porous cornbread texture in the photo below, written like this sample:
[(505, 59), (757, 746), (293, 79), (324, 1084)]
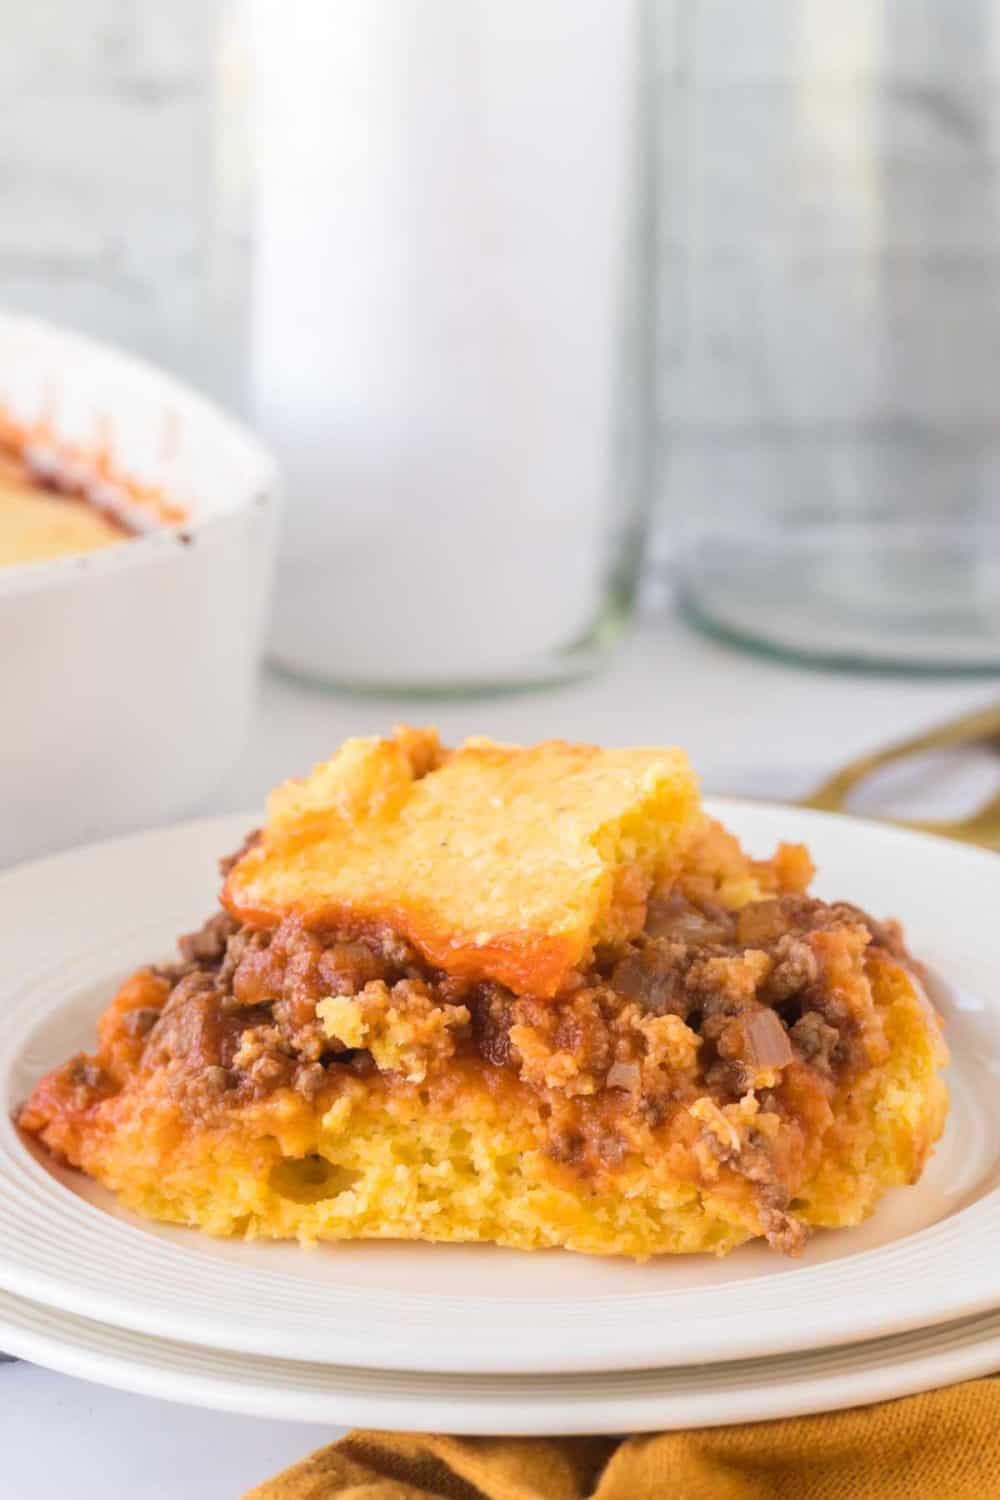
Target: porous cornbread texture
[(728, 1057), (495, 861)]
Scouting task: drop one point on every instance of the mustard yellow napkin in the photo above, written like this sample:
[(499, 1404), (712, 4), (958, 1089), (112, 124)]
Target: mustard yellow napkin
[(942, 1445)]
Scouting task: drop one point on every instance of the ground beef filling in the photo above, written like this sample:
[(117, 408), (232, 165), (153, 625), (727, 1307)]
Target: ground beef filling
[(720, 1011), (704, 1000)]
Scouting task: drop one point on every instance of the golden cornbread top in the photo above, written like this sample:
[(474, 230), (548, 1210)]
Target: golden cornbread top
[(36, 524), (494, 861)]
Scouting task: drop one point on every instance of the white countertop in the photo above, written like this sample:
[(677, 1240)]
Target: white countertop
[(750, 726)]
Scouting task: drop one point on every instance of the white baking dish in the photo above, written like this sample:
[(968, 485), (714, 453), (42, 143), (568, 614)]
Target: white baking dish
[(127, 674)]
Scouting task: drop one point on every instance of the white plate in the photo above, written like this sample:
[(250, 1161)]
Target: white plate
[(540, 1405), (71, 926)]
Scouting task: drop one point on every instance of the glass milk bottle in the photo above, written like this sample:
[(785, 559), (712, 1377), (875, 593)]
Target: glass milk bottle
[(448, 331)]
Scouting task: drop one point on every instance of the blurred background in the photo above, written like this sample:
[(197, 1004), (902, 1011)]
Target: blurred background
[(827, 248), (110, 165), (798, 221)]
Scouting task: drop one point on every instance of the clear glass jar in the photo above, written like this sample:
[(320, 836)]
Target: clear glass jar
[(449, 327), (832, 489)]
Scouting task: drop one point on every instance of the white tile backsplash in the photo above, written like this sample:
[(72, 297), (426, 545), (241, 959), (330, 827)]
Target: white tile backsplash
[(107, 168)]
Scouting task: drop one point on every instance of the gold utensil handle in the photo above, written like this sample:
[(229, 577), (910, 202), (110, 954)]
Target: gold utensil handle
[(982, 827)]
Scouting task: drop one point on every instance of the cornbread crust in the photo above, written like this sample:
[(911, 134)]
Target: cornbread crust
[(496, 862)]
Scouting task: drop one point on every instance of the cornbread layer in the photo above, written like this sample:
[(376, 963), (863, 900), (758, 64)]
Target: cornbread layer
[(37, 524)]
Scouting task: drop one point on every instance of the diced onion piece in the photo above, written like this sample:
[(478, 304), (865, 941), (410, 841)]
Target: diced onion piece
[(622, 1075), (767, 1040)]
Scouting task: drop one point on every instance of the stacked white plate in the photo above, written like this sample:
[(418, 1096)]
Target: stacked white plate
[(473, 1338)]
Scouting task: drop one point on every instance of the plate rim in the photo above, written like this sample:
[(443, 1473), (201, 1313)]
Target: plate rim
[(442, 1356), (665, 1399)]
